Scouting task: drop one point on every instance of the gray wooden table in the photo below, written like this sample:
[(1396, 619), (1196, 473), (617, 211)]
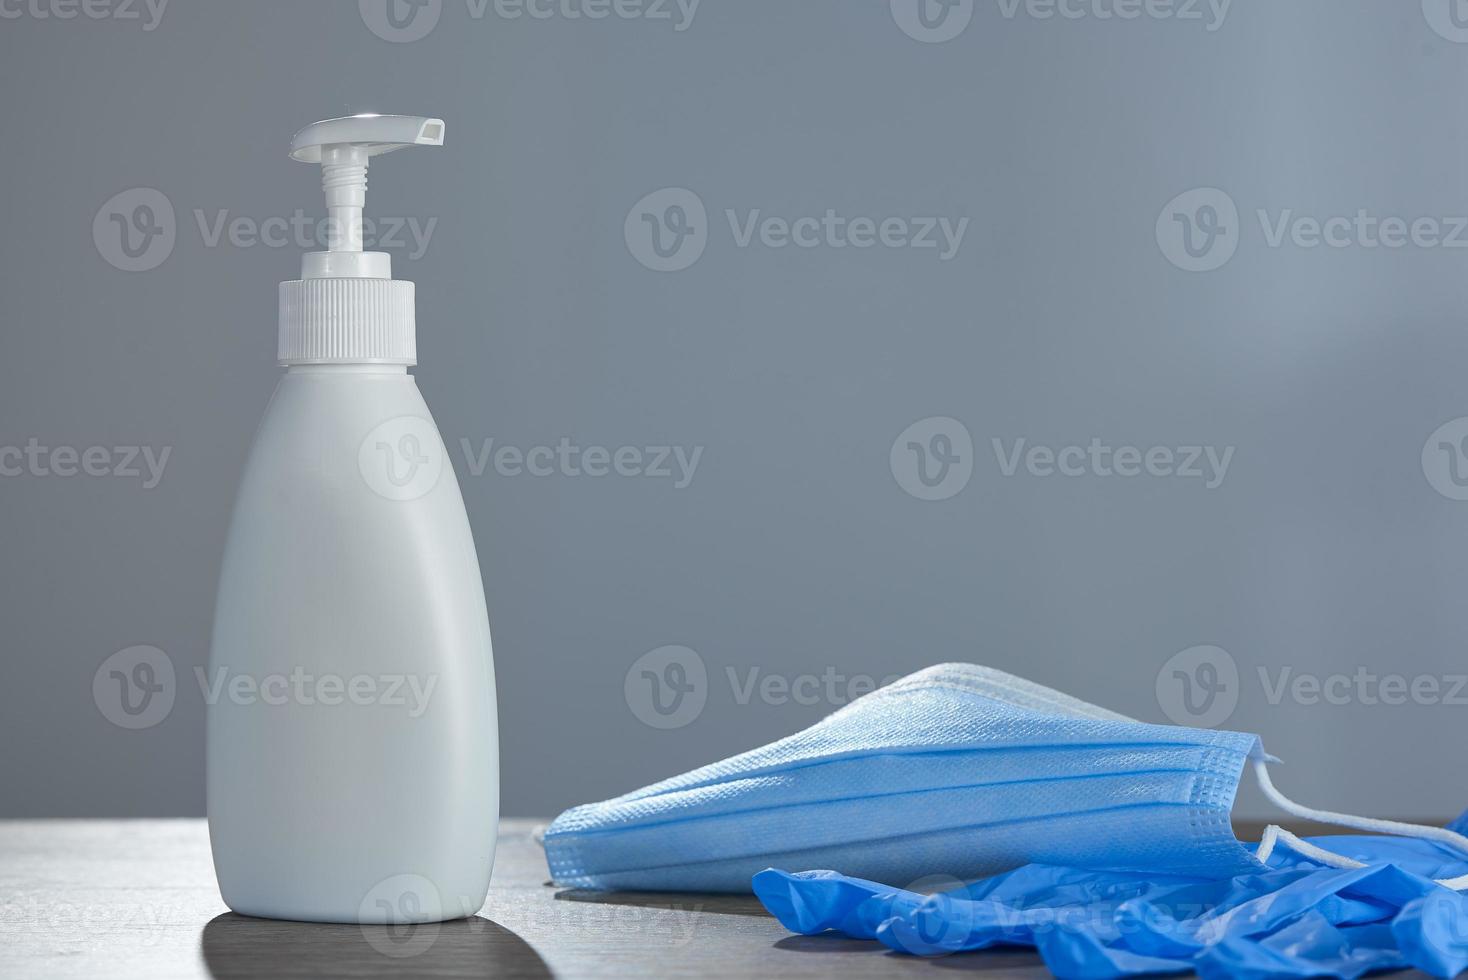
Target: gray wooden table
[(136, 898)]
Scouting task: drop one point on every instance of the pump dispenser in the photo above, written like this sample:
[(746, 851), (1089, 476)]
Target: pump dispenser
[(347, 307), (353, 767)]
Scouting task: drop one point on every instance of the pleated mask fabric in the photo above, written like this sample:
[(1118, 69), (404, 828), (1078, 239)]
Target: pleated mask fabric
[(958, 770)]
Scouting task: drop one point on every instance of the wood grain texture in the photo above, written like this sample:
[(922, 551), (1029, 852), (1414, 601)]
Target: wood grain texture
[(136, 898)]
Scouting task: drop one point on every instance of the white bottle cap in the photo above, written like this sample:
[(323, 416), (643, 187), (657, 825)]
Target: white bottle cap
[(347, 308)]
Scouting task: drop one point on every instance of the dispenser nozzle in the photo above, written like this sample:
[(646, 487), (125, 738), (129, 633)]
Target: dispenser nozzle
[(343, 147)]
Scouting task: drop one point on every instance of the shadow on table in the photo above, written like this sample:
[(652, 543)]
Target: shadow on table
[(1012, 961), (239, 946), (713, 904)]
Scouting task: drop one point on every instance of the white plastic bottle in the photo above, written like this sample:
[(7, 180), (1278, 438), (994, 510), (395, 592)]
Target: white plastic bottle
[(353, 764)]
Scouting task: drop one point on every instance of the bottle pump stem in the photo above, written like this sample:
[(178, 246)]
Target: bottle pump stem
[(343, 147)]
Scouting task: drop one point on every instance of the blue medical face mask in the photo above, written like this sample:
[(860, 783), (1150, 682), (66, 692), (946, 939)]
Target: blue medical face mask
[(957, 770)]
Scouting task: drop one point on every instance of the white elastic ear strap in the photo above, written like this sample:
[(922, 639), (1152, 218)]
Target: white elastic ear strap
[(1275, 835)]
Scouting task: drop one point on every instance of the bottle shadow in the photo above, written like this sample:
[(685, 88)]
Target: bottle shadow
[(236, 946)]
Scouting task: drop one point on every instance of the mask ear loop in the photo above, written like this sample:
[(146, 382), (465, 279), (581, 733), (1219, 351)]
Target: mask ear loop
[(1275, 835)]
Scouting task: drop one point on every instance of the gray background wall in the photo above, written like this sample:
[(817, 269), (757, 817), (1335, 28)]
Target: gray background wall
[(795, 549)]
